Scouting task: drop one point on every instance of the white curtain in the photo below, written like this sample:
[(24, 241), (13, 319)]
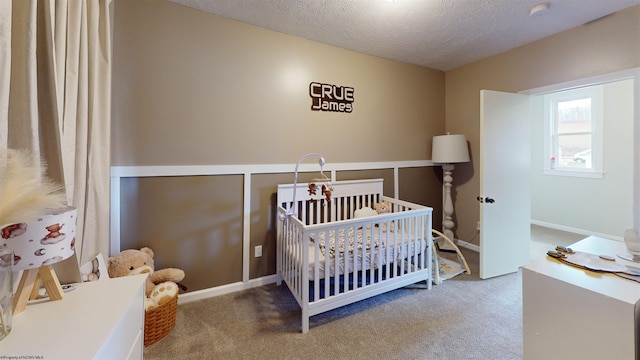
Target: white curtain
[(55, 94)]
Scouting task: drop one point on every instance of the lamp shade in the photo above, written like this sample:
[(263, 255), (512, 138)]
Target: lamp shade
[(43, 241), (451, 148)]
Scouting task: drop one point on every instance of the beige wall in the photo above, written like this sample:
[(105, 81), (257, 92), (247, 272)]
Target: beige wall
[(193, 88), (189, 223), (604, 46), (416, 187)]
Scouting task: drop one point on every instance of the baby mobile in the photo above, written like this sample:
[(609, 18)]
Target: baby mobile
[(323, 183)]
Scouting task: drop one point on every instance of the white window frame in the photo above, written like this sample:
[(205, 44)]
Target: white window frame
[(550, 105)]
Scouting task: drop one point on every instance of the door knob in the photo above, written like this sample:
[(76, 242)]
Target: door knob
[(487, 200)]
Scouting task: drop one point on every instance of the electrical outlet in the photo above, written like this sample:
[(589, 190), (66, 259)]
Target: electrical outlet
[(258, 251), (478, 226)]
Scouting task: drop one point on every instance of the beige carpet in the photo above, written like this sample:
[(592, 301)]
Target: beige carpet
[(462, 318)]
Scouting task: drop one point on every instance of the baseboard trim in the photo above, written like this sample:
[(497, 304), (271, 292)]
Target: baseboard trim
[(446, 246), (586, 233), (575, 230), (230, 288), (470, 246), (225, 289)]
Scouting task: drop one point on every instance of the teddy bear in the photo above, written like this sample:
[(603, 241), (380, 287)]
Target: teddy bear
[(384, 208), (378, 208), (54, 236), (161, 285), (13, 230)]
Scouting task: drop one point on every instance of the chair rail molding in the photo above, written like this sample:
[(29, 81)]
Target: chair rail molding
[(120, 172)]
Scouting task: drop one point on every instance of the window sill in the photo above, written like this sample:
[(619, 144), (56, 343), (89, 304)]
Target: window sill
[(573, 173)]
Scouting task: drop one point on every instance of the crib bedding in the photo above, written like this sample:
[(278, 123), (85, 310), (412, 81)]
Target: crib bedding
[(361, 249)]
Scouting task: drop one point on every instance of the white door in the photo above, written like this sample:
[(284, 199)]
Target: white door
[(505, 182)]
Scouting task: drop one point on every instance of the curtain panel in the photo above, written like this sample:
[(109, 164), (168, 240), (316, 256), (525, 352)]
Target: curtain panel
[(55, 95)]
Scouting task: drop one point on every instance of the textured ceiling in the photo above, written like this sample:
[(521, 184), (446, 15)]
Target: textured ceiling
[(439, 34)]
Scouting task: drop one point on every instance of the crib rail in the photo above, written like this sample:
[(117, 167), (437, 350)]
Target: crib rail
[(321, 282)]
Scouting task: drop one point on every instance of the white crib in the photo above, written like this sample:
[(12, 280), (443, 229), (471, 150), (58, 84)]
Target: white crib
[(329, 259)]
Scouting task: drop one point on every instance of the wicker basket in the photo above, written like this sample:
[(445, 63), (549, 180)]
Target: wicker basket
[(159, 321)]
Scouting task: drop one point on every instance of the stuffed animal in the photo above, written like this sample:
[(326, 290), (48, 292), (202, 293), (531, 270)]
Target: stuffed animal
[(364, 212), (384, 208), (161, 284), (378, 208), (161, 293)]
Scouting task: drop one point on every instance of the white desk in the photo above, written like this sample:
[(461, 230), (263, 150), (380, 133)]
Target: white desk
[(98, 320), (570, 313)]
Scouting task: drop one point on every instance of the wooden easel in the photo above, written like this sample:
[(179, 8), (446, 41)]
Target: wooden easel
[(30, 284)]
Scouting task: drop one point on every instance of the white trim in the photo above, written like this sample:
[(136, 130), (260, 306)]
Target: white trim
[(396, 180), (574, 230), (551, 100), (636, 151), (119, 172), (270, 279), (574, 173), (114, 211), (470, 246), (246, 227), (594, 80), (586, 233), (225, 289), (194, 170)]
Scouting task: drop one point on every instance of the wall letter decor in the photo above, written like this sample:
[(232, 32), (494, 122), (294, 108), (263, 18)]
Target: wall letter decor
[(327, 97)]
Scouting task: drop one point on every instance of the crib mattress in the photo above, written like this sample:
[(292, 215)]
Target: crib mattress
[(361, 249)]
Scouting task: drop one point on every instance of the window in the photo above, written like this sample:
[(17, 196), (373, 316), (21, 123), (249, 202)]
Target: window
[(573, 132)]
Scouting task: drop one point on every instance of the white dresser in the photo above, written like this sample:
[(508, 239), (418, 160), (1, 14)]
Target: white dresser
[(98, 320), (570, 313)]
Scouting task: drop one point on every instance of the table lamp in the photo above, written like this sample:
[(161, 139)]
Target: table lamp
[(448, 150), (37, 245)]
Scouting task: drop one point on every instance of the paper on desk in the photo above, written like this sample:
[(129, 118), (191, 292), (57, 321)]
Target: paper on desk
[(596, 263)]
